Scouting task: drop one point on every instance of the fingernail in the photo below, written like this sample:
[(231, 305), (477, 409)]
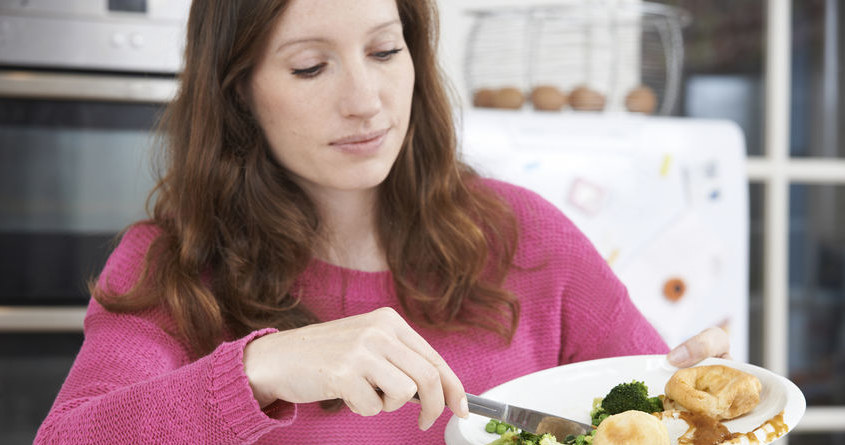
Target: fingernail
[(679, 355), (464, 408)]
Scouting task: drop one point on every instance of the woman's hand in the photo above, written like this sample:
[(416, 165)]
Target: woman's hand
[(712, 342), (351, 359)]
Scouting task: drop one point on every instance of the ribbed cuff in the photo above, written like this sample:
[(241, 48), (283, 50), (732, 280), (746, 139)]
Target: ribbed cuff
[(231, 393)]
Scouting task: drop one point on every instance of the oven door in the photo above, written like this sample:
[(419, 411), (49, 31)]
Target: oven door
[(75, 170)]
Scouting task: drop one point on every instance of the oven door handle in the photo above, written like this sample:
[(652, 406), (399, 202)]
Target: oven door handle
[(79, 86)]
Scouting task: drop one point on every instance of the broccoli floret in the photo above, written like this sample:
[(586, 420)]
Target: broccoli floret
[(526, 438), (508, 438), (629, 396), (548, 439), (597, 414), (656, 404)]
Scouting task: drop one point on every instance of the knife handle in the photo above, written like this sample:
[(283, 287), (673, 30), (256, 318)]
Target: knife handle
[(486, 407)]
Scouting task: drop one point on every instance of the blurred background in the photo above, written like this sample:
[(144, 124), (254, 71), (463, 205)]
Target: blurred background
[(696, 142)]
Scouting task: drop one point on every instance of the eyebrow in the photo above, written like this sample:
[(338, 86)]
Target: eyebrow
[(324, 40)]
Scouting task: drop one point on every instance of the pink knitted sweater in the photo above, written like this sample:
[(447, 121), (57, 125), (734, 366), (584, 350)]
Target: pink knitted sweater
[(132, 383)]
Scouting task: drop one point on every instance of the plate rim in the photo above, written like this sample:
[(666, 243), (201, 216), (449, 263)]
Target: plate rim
[(793, 410)]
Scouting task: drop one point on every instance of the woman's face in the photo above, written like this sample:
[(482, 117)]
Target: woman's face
[(332, 92)]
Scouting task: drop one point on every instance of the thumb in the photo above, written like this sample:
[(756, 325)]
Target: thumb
[(712, 342)]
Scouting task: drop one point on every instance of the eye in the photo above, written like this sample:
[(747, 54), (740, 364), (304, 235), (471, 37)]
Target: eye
[(386, 55), (309, 72)]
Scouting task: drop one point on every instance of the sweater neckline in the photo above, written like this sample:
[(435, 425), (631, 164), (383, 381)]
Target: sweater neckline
[(345, 281), (325, 266)]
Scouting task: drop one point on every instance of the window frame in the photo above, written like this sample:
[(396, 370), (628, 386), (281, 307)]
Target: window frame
[(776, 170)]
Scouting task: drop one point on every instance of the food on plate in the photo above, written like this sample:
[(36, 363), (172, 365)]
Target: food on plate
[(483, 98), (718, 391), (631, 428), (625, 397), (498, 427), (581, 439), (622, 397), (688, 428), (586, 99), (628, 415), (548, 98), (511, 437), (509, 98), (641, 100)]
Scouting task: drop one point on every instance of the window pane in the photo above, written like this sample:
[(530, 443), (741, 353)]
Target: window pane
[(755, 273), (817, 79), (723, 64), (817, 292)]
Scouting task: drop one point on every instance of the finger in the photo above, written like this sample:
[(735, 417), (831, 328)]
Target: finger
[(451, 386), (712, 342), (395, 387), (362, 398), (425, 376)]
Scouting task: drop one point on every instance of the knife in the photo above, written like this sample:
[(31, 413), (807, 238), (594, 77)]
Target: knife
[(535, 422)]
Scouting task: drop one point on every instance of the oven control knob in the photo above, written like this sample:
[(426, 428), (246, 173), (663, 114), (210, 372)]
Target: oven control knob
[(137, 41), (118, 40)]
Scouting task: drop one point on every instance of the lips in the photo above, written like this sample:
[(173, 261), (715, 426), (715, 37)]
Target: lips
[(361, 145), (360, 139)]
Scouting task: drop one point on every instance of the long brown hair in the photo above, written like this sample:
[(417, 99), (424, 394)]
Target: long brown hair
[(230, 214)]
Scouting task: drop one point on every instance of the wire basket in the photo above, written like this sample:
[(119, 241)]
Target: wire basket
[(589, 55)]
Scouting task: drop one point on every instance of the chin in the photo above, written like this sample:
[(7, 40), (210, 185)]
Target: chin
[(360, 180)]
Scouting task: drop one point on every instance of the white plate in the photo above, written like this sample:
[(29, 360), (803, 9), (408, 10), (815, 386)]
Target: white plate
[(569, 390)]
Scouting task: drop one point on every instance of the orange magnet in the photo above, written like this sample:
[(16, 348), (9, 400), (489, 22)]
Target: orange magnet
[(674, 289)]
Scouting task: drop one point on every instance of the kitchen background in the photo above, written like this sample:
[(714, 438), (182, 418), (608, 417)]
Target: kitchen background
[(71, 135)]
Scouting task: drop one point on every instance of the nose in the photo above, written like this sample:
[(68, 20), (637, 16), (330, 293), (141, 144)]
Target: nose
[(360, 92)]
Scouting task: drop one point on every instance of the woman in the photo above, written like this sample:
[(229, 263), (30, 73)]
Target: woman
[(315, 239)]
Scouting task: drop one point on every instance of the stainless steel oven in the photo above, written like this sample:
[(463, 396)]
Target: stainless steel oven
[(82, 84)]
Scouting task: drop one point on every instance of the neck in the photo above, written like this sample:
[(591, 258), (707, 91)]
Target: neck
[(349, 232)]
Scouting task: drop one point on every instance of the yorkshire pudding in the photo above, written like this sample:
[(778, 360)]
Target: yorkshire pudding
[(718, 391)]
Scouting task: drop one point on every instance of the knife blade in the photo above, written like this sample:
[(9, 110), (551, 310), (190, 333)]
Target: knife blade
[(530, 420)]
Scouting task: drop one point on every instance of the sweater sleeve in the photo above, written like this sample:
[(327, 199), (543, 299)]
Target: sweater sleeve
[(599, 318), (132, 382)]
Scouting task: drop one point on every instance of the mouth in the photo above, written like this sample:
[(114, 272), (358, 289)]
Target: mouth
[(362, 143)]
